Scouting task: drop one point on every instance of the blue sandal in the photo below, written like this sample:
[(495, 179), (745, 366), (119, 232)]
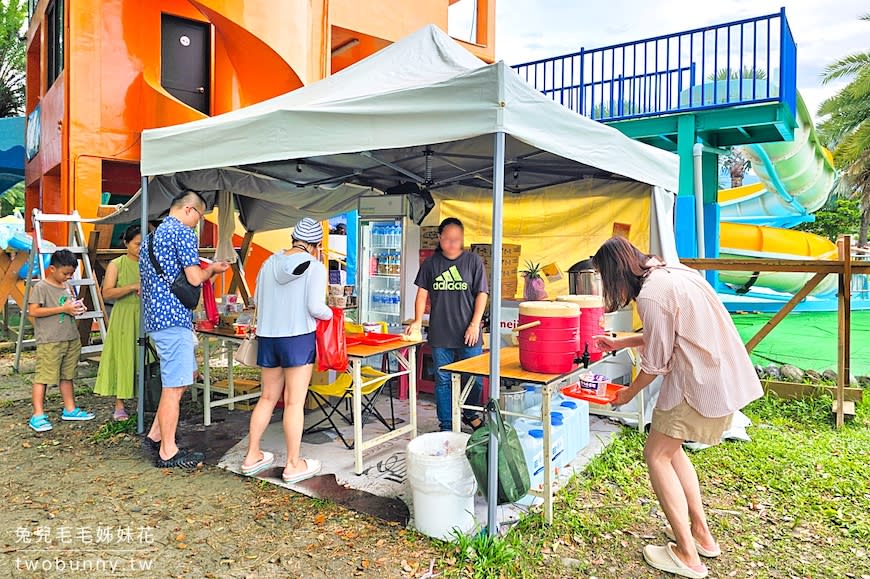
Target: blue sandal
[(39, 423), (76, 414)]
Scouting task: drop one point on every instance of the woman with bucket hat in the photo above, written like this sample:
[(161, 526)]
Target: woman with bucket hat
[(289, 297)]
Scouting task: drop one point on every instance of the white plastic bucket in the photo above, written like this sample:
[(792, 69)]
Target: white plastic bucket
[(442, 484)]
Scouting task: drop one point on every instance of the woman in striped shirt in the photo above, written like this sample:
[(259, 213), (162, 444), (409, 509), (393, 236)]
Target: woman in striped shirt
[(690, 340)]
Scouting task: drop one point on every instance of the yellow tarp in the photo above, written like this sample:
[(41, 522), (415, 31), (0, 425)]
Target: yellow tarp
[(562, 224)]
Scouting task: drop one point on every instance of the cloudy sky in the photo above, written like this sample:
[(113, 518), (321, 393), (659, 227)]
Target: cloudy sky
[(530, 29)]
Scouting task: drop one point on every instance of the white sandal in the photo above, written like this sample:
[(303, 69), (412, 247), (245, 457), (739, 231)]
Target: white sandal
[(260, 465), (312, 467), (664, 559)]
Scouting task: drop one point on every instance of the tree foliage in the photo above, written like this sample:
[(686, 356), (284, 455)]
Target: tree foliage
[(846, 126), (843, 217), (13, 14)]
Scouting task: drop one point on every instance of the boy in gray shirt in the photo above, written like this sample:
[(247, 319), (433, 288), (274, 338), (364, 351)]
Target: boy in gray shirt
[(53, 307)]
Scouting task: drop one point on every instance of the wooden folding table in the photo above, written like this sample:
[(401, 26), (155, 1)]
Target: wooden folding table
[(550, 384)]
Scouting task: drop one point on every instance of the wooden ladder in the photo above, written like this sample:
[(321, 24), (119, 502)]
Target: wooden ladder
[(83, 278)]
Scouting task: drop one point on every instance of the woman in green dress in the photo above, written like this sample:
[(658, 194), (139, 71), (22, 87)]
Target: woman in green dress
[(118, 361)]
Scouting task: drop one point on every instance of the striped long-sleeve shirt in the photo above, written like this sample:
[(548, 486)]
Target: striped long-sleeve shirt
[(690, 339)]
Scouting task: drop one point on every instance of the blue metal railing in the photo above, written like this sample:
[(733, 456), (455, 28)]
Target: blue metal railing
[(748, 61)]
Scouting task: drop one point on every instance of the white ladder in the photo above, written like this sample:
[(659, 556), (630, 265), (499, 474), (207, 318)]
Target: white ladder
[(78, 247)]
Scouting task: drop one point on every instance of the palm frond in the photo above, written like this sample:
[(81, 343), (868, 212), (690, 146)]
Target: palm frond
[(847, 66)]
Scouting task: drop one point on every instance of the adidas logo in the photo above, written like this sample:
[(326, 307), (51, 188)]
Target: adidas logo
[(450, 280)]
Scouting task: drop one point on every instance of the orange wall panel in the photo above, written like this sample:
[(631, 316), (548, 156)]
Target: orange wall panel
[(388, 19), (110, 89)]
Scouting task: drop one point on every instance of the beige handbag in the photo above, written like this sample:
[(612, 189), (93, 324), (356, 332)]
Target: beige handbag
[(247, 351)]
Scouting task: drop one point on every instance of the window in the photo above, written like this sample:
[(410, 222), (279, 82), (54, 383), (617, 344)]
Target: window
[(54, 44)]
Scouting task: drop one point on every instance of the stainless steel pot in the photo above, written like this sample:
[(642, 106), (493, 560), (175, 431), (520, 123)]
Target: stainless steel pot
[(583, 279)]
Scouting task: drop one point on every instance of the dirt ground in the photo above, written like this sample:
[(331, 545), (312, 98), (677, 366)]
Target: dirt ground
[(80, 506)]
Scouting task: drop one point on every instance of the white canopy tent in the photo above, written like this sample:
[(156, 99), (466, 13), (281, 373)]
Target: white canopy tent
[(422, 111)]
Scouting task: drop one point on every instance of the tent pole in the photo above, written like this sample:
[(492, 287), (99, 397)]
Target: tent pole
[(494, 325), (140, 358)]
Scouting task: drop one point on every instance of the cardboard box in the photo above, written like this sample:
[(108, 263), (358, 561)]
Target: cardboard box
[(508, 250), (429, 237), (319, 378)]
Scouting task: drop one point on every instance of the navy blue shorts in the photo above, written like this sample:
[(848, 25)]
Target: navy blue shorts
[(288, 352)]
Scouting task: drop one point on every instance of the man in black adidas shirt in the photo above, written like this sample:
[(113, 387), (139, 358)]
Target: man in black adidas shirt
[(454, 281)]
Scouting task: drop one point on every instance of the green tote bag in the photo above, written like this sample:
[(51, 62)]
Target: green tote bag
[(513, 474)]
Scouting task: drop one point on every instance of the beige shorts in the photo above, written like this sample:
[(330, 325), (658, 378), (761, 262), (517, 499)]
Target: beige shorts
[(685, 423), (57, 361)]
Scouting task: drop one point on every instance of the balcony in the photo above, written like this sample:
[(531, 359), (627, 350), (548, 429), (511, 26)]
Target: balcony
[(746, 62)]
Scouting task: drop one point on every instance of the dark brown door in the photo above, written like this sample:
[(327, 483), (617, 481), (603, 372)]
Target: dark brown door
[(185, 61)]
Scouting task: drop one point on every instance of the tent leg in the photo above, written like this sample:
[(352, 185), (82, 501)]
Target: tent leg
[(140, 358), (494, 325)]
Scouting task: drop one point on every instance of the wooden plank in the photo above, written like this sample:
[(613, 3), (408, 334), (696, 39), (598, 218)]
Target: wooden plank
[(510, 367), (239, 283), (9, 284), (844, 304), (784, 311), (848, 407), (798, 265), (793, 265), (793, 390)]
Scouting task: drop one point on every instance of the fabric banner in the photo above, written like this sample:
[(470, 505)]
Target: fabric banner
[(562, 224)]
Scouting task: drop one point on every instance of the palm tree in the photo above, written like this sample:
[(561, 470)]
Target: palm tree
[(847, 126), (736, 165), (747, 73)]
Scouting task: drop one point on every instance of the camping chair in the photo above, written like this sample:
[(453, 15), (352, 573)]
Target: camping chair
[(329, 398)]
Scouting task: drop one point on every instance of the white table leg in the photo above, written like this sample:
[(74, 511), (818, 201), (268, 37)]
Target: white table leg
[(412, 388), (455, 386), (231, 389), (356, 369), (206, 389), (548, 455)]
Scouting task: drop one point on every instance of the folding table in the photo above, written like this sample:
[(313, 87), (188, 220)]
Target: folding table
[(550, 384)]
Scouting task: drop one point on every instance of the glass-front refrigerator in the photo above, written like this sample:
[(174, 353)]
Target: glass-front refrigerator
[(389, 259)]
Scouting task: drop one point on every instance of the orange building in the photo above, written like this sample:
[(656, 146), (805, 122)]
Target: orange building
[(101, 71)]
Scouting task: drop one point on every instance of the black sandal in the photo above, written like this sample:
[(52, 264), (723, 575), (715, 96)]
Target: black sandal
[(473, 422), (182, 459), (153, 446)]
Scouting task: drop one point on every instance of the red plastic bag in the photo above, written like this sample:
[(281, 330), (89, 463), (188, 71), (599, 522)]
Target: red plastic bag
[(208, 300), (331, 345)]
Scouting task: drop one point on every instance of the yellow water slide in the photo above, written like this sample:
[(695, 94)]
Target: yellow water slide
[(796, 180), (740, 240)]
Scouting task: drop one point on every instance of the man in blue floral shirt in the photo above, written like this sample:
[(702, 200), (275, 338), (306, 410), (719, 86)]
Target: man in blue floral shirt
[(169, 324)]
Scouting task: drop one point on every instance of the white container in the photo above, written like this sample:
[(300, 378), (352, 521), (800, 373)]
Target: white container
[(557, 438), (533, 447), (533, 395), (512, 401), (442, 484), (576, 414)]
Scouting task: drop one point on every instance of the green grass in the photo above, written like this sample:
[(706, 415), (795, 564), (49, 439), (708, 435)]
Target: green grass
[(113, 428), (793, 502)]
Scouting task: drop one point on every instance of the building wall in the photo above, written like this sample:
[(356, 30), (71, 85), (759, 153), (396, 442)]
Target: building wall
[(110, 87)]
